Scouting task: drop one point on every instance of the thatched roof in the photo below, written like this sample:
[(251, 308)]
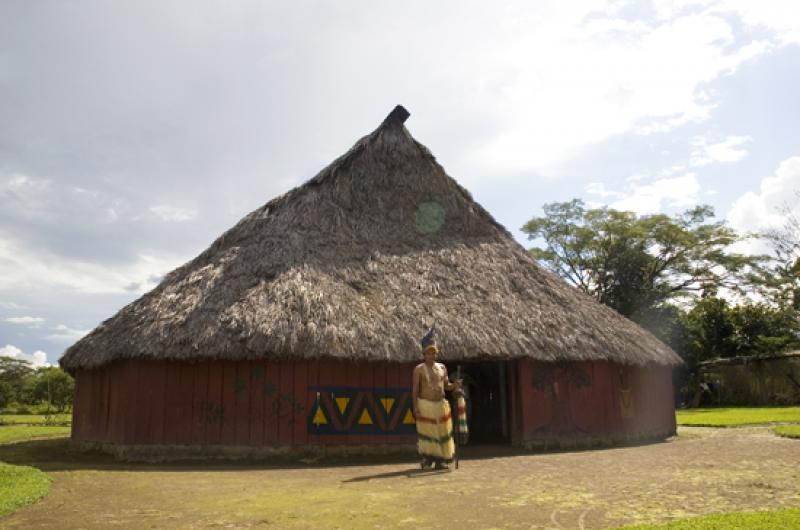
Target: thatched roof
[(356, 263)]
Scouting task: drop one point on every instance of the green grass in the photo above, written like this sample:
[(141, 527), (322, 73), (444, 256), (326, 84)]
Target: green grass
[(731, 417), (17, 433), (788, 431), (20, 485), (780, 520), (34, 419)]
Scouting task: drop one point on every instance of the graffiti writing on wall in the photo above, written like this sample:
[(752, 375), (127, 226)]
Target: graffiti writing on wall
[(278, 406), (211, 412)]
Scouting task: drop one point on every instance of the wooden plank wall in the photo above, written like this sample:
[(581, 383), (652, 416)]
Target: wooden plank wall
[(252, 403), (585, 399), (271, 403)]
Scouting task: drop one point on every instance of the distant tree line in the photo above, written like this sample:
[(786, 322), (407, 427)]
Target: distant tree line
[(23, 385), (677, 276)]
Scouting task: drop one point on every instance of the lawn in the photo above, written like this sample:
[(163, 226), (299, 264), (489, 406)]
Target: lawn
[(20, 485), (788, 431), (18, 433), (731, 417), (779, 520)]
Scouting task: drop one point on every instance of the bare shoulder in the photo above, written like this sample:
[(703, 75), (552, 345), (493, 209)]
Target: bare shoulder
[(418, 367), (441, 367)]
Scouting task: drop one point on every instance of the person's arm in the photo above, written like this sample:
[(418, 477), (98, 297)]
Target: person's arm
[(448, 386), (415, 392)]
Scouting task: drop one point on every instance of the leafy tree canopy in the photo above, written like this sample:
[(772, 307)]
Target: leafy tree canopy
[(782, 280), (6, 394), (717, 329), (14, 372), (11, 368), (21, 383), (634, 263), (53, 386)]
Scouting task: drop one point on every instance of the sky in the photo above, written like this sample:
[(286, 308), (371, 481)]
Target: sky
[(133, 134)]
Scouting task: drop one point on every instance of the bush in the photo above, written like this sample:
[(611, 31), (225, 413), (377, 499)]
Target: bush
[(19, 409), (6, 393)]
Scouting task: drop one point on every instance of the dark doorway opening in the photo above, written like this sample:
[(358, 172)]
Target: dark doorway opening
[(487, 400)]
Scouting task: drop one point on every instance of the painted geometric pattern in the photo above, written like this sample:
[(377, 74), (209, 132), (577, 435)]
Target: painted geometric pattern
[(366, 411)]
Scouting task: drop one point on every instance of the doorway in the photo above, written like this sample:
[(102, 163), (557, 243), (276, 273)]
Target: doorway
[(487, 400)]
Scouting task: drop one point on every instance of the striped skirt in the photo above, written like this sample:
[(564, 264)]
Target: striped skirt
[(435, 430)]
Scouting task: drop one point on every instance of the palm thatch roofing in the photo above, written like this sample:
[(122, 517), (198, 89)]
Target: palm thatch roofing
[(356, 264)]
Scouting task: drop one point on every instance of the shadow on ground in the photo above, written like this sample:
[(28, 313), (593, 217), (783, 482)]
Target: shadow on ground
[(59, 454)]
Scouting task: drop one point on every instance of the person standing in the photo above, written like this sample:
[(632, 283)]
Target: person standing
[(431, 409)]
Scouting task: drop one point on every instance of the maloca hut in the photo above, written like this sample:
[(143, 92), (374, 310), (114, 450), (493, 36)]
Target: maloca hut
[(297, 329)]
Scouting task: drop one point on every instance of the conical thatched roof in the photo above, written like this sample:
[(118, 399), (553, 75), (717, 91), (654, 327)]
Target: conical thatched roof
[(356, 263)]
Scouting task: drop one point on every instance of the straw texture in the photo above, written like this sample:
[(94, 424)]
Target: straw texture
[(357, 263)]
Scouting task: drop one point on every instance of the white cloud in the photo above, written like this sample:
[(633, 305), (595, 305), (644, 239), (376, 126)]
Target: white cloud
[(728, 150), (67, 335), (602, 78), (31, 322), (38, 358), (173, 214), (599, 189), (11, 305), (23, 269), (656, 175), (782, 17), (22, 186), (655, 196), (24, 196), (761, 210)]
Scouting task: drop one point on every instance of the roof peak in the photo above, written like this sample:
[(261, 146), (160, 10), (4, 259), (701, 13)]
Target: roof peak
[(398, 116)]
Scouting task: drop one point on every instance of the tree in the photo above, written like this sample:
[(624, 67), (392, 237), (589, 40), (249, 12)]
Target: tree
[(782, 280), (764, 330), (15, 372), (6, 394), (786, 239), (712, 333), (54, 386), (717, 329), (632, 263)]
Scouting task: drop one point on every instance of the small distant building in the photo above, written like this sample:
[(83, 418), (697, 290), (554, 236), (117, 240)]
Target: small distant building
[(298, 328), (753, 380)]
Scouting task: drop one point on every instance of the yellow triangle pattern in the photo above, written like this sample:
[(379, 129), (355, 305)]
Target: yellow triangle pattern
[(319, 417), (409, 418), (387, 404), (365, 418), (342, 402)]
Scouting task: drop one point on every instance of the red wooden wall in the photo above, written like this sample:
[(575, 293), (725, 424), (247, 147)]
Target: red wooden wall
[(262, 403), (593, 400), (241, 403)]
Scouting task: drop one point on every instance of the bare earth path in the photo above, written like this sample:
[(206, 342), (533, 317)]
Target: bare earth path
[(699, 472)]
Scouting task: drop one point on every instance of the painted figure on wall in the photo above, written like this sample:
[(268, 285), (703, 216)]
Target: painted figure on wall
[(431, 409)]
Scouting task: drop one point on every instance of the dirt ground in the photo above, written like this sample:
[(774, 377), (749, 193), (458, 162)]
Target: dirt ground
[(701, 471)]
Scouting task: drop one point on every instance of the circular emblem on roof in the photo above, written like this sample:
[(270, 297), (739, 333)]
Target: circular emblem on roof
[(429, 217)]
